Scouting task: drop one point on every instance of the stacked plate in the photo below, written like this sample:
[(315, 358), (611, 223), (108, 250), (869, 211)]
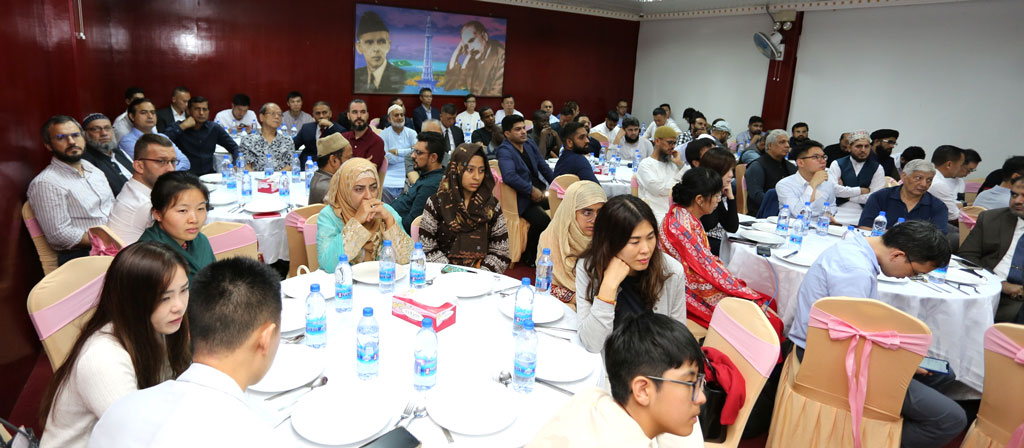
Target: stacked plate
[(546, 309), (346, 414), (472, 406)]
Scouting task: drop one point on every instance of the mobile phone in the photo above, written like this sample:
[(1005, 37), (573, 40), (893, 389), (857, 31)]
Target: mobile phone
[(396, 438), (764, 251), (453, 268), (935, 365)]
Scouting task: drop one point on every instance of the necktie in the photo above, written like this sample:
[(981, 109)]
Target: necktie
[(373, 81), (1016, 274)]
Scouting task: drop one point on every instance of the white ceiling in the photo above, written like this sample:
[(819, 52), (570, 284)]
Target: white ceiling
[(642, 10)]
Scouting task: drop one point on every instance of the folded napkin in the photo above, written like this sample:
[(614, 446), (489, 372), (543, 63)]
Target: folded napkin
[(266, 215)]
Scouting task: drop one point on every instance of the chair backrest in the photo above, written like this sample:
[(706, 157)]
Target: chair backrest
[(634, 186), (769, 205), (1001, 409), (104, 241), (968, 217), (309, 237), (528, 124), (375, 129), (740, 330), (293, 224), (823, 376), (599, 137), (63, 301), (414, 228), (47, 256), (971, 187), (557, 190), (232, 239), (517, 227), (375, 122), (741, 189)]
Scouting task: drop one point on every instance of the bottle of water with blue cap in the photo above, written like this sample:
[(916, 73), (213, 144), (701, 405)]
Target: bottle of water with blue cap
[(418, 267), (367, 346), (849, 233), (523, 307), (296, 168), (878, 227), (782, 225), (343, 285), (246, 187), (310, 168), (636, 160), (525, 365), (316, 318), (545, 271), (387, 268), (268, 167), (285, 188), (425, 353), (824, 219), (807, 212), (796, 233)]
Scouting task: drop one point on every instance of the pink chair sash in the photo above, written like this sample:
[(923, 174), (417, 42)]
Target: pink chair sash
[(839, 329), (760, 354), (967, 220), (997, 342), (51, 319), (33, 227), (972, 187), (497, 175), (233, 239), (294, 219), (100, 247), (633, 183), (309, 230), (559, 189)]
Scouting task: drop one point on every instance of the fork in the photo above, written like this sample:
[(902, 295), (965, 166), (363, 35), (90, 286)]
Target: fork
[(409, 408)]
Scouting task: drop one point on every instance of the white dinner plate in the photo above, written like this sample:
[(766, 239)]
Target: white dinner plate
[(265, 205), (801, 258), (838, 230), (465, 284), (764, 226), (344, 415), (472, 407), (298, 286), (369, 272), (222, 198), (762, 237), (773, 219), (546, 309), (294, 365), (293, 316), (562, 361), (604, 177), (211, 178), (959, 276), (887, 279), (743, 219)]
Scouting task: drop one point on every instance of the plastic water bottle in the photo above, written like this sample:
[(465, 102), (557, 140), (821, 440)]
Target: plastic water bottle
[(525, 366), (901, 221), (367, 346), (524, 306), (796, 233), (316, 318), (636, 160), (268, 167), (387, 268), (545, 269), (938, 275), (227, 170), (613, 165), (296, 168), (601, 157), (418, 267), (310, 168), (878, 228), (849, 233), (343, 285), (234, 128), (295, 131), (808, 217), (782, 226), (246, 187), (425, 352), (239, 164), (285, 189), (824, 219)]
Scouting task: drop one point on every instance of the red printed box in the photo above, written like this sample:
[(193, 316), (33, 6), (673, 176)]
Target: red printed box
[(268, 185), (405, 307)]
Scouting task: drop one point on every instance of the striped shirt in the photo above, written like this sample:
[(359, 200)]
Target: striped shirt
[(66, 202)]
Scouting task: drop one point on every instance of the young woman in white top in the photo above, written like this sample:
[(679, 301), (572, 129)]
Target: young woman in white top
[(137, 338), (624, 272)]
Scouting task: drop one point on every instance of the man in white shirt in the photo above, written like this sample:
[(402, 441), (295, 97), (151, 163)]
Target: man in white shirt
[(811, 182), (122, 125), (609, 128), (658, 173), (857, 172), (661, 118), (234, 322), (632, 142), (508, 107), (239, 115), (469, 119), (132, 213), (949, 161), (971, 161), (999, 195)]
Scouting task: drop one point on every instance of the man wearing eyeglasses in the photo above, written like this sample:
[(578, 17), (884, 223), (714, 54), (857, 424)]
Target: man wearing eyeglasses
[(883, 141), (101, 150), (656, 373), (142, 114), (70, 195), (198, 137), (374, 43), (811, 182), (132, 213), (428, 152)]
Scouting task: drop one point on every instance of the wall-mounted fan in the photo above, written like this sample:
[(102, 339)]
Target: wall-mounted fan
[(770, 46)]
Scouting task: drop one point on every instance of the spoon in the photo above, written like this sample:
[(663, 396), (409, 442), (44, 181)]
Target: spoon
[(505, 378)]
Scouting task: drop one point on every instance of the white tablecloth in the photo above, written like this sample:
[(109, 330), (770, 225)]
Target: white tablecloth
[(478, 345), (958, 320), (618, 186), (273, 242)]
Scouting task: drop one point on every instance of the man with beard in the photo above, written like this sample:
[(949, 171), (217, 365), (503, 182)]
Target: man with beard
[(525, 171), (398, 143), (755, 125), (133, 212), (658, 173), (142, 114), (490, 134), (573, 159), (768, 170), (698, 127), (365, 143), (838, 150), (910, 201), (609, 128), (320, 128), (373, 41), (721, 131), (176, 112), (996, 243), (547, 139), (101, 150), (427, 154), (482, 66), (70, 195), (595, 146), (199, 137), (858, 172), (800, 133), (882, 143), (631, 141)]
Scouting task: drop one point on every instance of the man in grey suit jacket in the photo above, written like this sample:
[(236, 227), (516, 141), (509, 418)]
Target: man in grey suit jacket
[(997, 243)]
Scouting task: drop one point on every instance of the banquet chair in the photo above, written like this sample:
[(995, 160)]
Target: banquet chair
[(696, 329), (517, 226), (968, 217), (971, 187), (813, 408), (62, 303), (231, 239), (528, 124), (600, 138), (634, 186), (47, 256), (740, 330), (557, 190), (741, 189), (375, 122), (1001, 415), (104, 241), (293, 226), (4, 435), (414, 228), (309, 236)]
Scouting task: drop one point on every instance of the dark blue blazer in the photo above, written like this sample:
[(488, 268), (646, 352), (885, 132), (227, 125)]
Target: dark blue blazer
[(419, 116), (307, 136), (571, 163), (516, 174)]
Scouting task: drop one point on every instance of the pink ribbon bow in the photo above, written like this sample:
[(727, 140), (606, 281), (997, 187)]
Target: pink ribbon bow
[(559, 189), (997, 342), (839, 329)]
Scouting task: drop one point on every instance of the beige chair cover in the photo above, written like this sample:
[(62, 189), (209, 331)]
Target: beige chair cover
[(599, 137), (563, 181), (414, 228), (219, 227), (741, 189), (47, 256), (105, 241), (517, 227), (54, 289), (1002, 406), (812, 408), (296, 243), (973, 211), (697, 330), (312, 262)]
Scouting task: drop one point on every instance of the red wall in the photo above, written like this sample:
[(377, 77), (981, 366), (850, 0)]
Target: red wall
[(261, 47)]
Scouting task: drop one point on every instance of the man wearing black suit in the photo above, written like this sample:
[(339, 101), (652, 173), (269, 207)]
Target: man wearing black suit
[(374, 43), (311, 132), (452, 134), (424, 112), (997, 243), (176, 112)]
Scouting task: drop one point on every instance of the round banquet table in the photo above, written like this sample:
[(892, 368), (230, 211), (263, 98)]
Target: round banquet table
[(613, 186), (957, 318), (269, 227), (475, 348)]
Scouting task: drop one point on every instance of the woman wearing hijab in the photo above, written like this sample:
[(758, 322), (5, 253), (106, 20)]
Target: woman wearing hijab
[(355, 221), (569, 235), (462, 223)]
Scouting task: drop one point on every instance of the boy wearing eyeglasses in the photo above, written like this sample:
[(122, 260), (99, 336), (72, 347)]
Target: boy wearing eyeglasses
[(656, 371), (811, 182)]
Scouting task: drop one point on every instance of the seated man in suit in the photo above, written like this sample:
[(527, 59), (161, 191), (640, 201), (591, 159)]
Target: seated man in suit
[(176, 112), (452, 134), (320, 128), (523, 169), (374, 43), (997, 243), (425, 111)]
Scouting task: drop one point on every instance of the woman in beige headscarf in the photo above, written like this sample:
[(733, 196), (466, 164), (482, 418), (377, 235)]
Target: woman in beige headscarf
[(355, 221), (569, 233)]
